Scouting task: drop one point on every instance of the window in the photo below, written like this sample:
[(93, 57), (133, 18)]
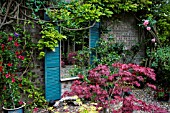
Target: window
[(76, 41)]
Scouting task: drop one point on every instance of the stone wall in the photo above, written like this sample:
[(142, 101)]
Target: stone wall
[(64, 71), (123, 29), (38, 64), (65, 86)]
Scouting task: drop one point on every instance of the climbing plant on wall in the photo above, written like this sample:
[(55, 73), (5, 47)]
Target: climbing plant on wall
[(76, 12), (75, 15)]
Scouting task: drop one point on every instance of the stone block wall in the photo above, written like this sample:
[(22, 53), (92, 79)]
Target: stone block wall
[(123, 29), (38, 64), (65, 86)]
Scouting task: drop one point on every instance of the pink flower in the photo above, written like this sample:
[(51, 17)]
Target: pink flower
[(7, 75), (146, 22), (151, 86), (80, 76), (140, 78), (153, 40), (136, 83), (110, 78), (13, 80), (148, 28), (35, 109)]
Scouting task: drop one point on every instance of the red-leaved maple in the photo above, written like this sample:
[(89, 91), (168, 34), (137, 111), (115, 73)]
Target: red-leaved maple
[(107, 87)]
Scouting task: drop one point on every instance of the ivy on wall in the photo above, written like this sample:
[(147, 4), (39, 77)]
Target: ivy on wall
[(50, 38), (75, 15), (76, 12)]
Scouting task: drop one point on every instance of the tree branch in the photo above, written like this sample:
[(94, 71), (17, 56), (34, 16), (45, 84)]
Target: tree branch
[(8, 6), (32, 18), (15, 9), (3, 6), (9, 22), (14, 18)]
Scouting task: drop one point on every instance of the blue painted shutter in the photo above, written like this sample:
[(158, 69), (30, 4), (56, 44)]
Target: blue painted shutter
[(94, 37), (52, 73)]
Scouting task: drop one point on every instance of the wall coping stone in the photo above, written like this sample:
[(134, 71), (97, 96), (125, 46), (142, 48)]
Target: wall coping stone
[(69, 79)]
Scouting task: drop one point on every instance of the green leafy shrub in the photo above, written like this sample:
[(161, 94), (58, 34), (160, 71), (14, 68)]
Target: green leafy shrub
[(161, 63), (106, 52), (50, 38)]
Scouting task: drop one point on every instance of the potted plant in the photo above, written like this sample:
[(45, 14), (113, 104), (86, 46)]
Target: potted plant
[(11, 59)]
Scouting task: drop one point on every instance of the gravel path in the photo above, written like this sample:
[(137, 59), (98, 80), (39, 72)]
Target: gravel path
[(145, 94)]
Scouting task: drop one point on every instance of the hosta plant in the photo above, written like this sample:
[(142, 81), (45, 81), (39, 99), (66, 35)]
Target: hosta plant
[(106, 87)]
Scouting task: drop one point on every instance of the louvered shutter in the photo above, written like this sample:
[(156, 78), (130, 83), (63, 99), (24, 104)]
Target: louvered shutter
[(52, 73), (94, 37)]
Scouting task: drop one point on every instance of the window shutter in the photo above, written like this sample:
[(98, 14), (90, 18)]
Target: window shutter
[(52, 73), (94, 37)]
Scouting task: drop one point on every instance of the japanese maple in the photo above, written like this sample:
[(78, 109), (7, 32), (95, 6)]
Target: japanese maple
[(107, 87)]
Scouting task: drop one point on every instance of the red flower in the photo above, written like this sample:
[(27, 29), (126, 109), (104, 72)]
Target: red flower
[(20, 102), (7, 75), (20, 85), (10, 38), (13, 80), (1, 68), (21, 57), (4, 88), (17, 53), (16, 44), (35, 109), (2, 46), (9, 64)]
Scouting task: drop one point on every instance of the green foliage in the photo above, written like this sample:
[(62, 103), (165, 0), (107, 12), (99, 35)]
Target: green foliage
[(106, 52), (161, 58), (160, 62), (50, 38), (17, 61), (118, 6), (76, 12), (163, 22), (34, 96)]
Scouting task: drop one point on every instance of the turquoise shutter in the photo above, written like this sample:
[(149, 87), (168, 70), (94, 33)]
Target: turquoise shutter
[(52, 73), (94, 37)]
